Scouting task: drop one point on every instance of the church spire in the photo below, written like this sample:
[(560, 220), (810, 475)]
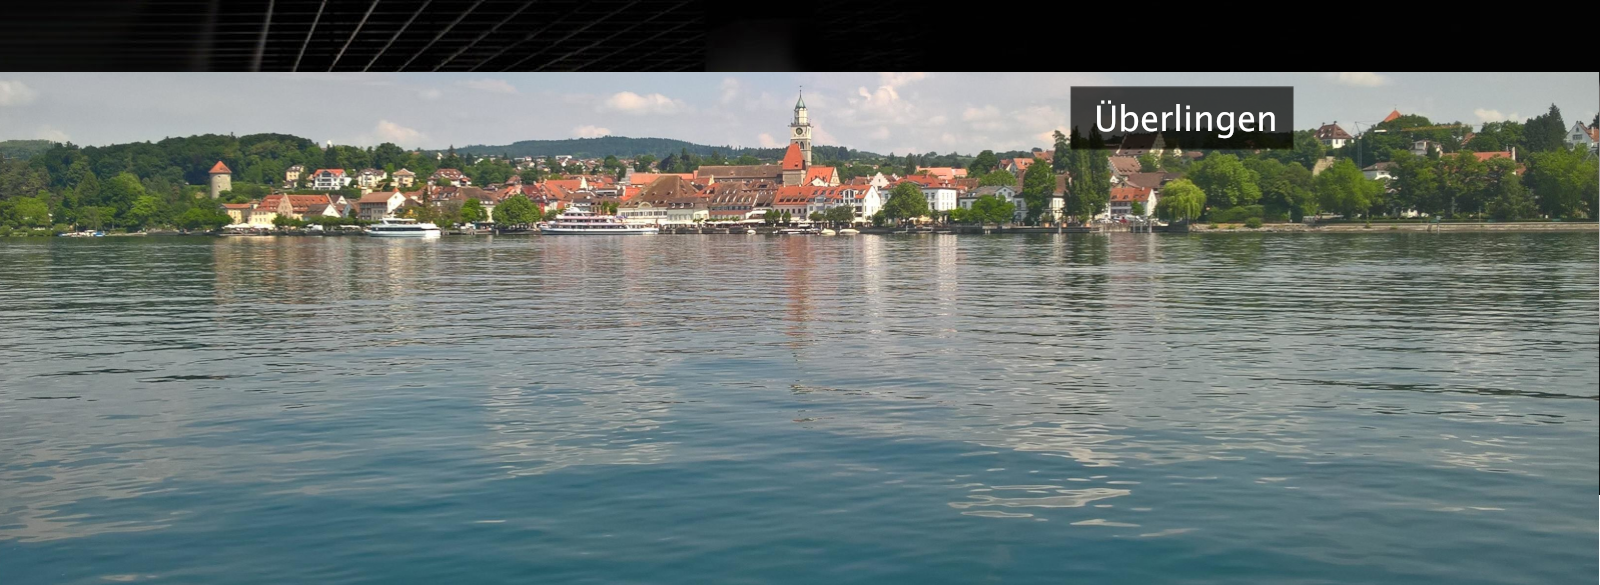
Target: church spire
[(801, 104)]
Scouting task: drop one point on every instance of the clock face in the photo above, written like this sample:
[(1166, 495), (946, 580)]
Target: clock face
[(799, 131)]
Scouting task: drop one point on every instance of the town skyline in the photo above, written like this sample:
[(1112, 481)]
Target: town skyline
[(883, 112)]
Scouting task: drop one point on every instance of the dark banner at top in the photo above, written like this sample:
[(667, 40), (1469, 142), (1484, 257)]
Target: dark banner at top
[(1220, 117)]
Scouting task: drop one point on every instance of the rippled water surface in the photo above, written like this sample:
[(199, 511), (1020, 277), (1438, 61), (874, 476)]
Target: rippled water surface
[(1132, 408)]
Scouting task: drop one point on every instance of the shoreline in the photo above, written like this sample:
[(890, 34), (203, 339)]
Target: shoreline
[(1510, 226)]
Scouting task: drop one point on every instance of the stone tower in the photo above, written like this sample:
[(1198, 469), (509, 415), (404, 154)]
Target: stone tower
[(801, 134), (221, 179)]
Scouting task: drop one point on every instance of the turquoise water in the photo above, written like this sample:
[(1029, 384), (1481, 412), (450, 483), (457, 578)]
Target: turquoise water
[(1132, 408)]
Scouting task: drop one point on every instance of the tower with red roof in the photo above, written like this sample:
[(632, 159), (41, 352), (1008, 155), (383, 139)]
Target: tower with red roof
[(221, 179)]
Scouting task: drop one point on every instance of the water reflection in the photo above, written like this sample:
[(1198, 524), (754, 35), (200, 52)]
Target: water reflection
[(1078, 380)]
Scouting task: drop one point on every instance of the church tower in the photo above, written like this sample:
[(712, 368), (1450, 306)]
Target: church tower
[(801, 134)]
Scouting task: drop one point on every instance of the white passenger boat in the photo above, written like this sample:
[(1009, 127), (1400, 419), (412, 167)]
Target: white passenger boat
[(582, 222), (397, 227)]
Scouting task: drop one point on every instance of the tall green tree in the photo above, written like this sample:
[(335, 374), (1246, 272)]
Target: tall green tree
[(1564, 182), (985, 162), (1226, 181), (516, 210), (906, 201), (1511, 200), (1038, 188), (1060, 162), (473, 211), (1545, 132), (993, 209), (1342, 188), (1180, 199)]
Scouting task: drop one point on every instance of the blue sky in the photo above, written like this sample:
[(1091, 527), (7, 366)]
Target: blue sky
[(880, 112)]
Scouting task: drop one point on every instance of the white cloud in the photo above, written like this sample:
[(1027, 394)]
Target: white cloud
[(882, 133), (1361, 78), (590, 131), (387, 131), (1485, 115), (51, 134), (730, 90), (983, 113), (430, 94), (491, 85), (767, 141), (16, 93), (899, 79), (632, 103)]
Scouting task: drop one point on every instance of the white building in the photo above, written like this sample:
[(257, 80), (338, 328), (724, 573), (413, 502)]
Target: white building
[(941, 197), (329, 179), (1333, 136), (1581, 136), (370, 178), (1001, 191)]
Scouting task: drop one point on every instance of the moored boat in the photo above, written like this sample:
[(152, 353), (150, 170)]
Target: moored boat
[(574, 222), (397, 227)]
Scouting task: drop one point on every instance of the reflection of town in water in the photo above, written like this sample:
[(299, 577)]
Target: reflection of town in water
[(1072, 376)]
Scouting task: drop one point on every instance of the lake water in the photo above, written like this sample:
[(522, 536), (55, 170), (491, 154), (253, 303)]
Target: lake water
[(1124, 408)]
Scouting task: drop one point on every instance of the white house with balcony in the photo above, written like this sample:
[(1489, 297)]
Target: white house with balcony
[(329, 179)]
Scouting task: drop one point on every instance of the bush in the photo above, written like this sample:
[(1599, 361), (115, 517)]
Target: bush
[(1236, 214), (1252, 223)]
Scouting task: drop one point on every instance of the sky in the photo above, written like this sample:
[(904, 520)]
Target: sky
[(877, 112)]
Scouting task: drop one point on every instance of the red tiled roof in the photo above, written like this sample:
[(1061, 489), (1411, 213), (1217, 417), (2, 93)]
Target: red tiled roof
[(220, 168), (298, 203), (376, 197), (1483, 156), (824, 173), (1139, 194), (1392, 115), (339, 172), (1126, 164), (792, 160)]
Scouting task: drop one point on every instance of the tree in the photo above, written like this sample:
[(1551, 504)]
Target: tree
[(1136, 208), (1545, 132), (516, 210), (1344, 189), (1564, 182), (787, 218), (771, 217), (473, 211), (1148, 163), (1038, 188), (1000, 178), (1226, 182), (146, 211), (992, 209), (1285, 188), (1059, 162), (284, 221), (841, 214), (25, 212), (981, 165), (202, 218), (1512, 200), (906, 201), (1180, 199), (815, 217)]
